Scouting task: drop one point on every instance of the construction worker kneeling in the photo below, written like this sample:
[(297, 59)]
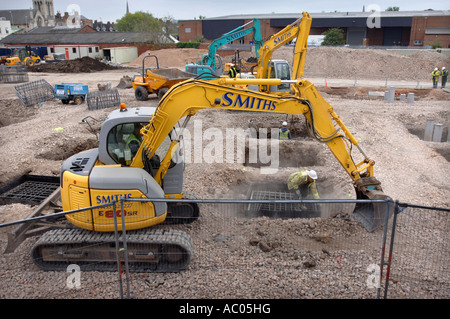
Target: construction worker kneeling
[(303, 183)]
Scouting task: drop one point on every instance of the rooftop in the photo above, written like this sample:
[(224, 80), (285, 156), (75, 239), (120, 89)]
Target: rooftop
[(426, 13), (77, 38), (17, 16)]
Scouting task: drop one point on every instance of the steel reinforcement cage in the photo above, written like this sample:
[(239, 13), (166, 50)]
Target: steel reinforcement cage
[(13, 74), (35, 92), (103, 99)]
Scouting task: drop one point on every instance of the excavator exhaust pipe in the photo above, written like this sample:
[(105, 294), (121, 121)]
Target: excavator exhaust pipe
[(372, 215)]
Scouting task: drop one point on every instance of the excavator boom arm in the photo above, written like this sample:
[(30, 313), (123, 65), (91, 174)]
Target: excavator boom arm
[(190, 96), (298, 30), (233, 35)]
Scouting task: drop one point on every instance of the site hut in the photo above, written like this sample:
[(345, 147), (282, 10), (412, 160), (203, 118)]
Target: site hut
[(120, 54)]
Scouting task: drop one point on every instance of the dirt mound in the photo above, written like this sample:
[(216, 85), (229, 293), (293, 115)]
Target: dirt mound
[(347, 63), (438, 95), (81, 65), (176, 58), (350, 62)]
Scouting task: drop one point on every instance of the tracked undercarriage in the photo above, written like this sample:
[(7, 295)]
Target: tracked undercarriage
[(152, 250), (149, 250)]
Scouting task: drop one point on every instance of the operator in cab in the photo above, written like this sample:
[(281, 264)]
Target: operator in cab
[(133, 143), (303, 183)]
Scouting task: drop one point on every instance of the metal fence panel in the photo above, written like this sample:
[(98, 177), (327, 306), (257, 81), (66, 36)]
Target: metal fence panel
[(420, 255), (240, 253), (328, 256)]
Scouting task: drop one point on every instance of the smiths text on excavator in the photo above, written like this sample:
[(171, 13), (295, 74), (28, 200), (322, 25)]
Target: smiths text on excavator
[(154, 170)]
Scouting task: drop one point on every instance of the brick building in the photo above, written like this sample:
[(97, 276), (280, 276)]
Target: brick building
[(80, 42), (384, 28)]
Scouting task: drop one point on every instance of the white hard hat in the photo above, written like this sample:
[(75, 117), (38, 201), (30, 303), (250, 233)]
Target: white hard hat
[(312, 174), (284, 123), (435, 69), (443, 68)]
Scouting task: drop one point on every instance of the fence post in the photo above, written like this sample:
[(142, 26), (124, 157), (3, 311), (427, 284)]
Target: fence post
[(383, 249), (391, 248), (124, 239), (116, 233)]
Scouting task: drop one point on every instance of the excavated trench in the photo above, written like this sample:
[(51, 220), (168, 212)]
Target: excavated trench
[(363, 92), (414, 126), (440, 146), (13, 111), (62, 148)]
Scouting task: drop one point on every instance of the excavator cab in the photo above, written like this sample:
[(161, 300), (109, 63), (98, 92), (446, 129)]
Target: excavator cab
[(280, 69), (113, 150)]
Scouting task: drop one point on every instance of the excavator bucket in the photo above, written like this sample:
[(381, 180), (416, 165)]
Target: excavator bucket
[(372, 215), (125, 82)]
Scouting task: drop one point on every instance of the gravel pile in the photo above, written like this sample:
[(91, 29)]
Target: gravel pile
[(346, 62)]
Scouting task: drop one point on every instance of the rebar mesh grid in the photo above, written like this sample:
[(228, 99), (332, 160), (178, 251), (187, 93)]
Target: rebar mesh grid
[(103, 99), (35, 92)]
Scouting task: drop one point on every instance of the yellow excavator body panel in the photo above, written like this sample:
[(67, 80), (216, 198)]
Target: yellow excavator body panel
[(77, 195)]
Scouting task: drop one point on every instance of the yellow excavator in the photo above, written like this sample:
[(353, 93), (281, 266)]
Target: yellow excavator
[(154, 170), (268, 68), (298, 31)]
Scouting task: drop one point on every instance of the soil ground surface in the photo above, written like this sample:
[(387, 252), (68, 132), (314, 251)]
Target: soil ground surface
[(245, 258)]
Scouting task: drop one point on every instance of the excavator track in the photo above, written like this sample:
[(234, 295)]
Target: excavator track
[(153, 250)]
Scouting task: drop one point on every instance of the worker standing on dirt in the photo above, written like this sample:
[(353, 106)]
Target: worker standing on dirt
[(233, 72), (435, 75), (444, 74), (303, 182), (284, 133)]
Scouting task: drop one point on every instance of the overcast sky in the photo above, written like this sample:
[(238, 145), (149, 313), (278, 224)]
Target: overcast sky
[(111, 10)]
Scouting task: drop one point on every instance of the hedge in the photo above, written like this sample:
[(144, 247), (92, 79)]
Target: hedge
[(194, 45)]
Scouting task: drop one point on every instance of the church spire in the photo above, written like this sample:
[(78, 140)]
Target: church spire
[(128, 11)]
